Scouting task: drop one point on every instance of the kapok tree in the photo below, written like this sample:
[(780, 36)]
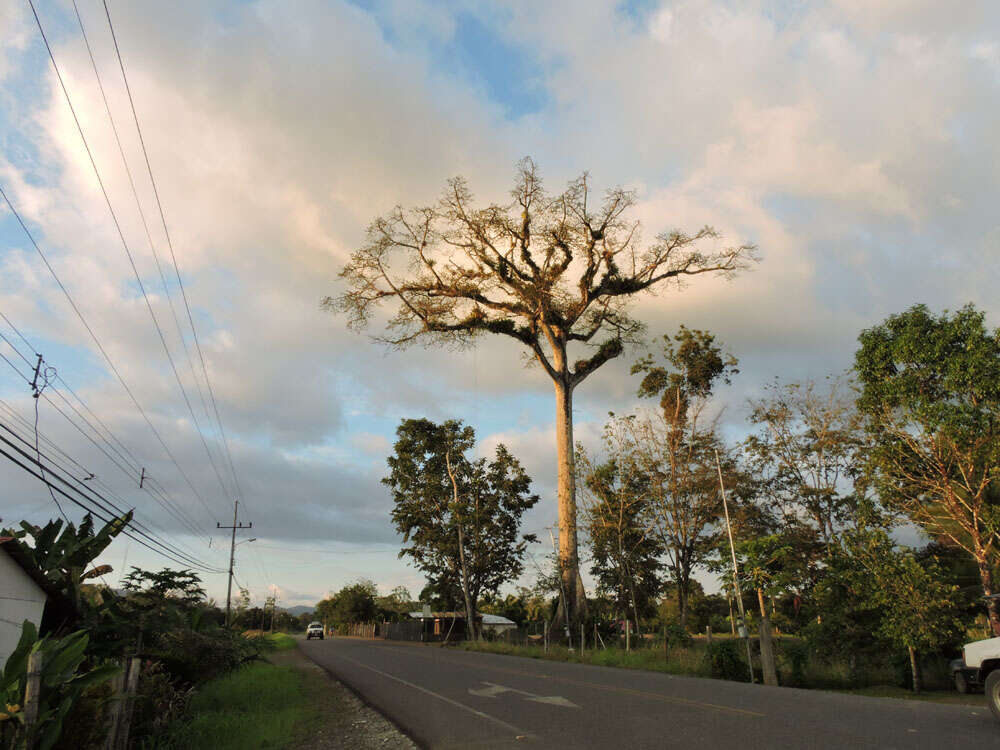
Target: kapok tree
[(556, 273)]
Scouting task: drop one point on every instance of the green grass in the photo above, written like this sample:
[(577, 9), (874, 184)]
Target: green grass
[(690, 661), (258, 706), (680, 661), (934, 696), (279, 642)]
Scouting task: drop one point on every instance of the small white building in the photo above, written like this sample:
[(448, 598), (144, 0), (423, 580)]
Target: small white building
[(22, 597), (497, 624)]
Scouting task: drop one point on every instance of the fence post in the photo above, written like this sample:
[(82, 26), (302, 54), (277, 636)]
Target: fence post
[(128, 700), (583, 642), (31, 695), (117, 689), (546, 638), (708, 634)]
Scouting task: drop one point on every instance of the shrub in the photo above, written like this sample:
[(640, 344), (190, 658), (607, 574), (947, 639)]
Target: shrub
[(159, 700), (796, 656), (725, 662), (677, 636), (194, 658)]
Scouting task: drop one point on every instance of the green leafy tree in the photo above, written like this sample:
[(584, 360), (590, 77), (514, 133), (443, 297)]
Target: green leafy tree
[(917, 610), (625, 556), (676, 452), (555, 273), (766, 565), (352, 604), (396, 605), (808, 455), (460, 518), (931, 392)]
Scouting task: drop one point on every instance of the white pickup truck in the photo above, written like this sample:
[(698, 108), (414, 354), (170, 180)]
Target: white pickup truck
[(982, 667)]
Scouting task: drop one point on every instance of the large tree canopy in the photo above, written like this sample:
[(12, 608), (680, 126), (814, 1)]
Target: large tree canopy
[(550, 271), (931, 391), (460, 517)]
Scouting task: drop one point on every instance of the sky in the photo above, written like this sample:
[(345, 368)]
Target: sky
[(853, 141)]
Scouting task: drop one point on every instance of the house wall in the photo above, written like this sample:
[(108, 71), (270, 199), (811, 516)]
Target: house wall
[(20, 599)]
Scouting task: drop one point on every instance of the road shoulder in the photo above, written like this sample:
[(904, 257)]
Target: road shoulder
[(344, 720)]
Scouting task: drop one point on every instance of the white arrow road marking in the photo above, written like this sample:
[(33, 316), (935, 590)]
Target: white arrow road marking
[(490, 692), (555, 700), (493, 690)]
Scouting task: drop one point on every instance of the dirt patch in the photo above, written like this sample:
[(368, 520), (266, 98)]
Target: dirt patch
[(343, 720)]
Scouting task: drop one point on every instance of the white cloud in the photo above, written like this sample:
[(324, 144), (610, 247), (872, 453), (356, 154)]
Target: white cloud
[(853, 142)]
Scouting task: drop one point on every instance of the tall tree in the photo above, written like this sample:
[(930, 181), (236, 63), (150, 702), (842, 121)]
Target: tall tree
[(625, 555), (807, 455), (931, 391), (676, 451), (553, 272), (460, 518)]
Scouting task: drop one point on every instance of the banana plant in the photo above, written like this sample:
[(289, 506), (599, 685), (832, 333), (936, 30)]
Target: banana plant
[(63, 554), (63, 680)]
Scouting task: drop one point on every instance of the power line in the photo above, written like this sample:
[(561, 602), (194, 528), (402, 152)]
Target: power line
[(173, 255), (156, 258), (102, 502), (132, 471), (105, 354), (183, 520), (88, 476), (118, 228), (40, 475)]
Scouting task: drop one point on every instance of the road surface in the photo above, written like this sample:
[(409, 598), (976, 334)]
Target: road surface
[(446, 698)]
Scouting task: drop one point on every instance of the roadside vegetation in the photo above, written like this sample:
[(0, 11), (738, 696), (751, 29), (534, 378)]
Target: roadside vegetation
[(261, 705), (725, 659), (191, 673), (799, 521)]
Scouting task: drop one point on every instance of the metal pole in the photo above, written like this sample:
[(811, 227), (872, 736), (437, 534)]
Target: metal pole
[(736, 570)]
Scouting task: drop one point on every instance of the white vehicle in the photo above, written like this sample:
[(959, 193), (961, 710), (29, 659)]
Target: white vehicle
[(982, 665), (315, 630)]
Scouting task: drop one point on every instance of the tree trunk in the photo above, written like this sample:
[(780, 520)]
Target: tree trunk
[(992, 607), (766, 644), (914, 669), (573, 598), (682, 602), (470, 621), (470, 615)]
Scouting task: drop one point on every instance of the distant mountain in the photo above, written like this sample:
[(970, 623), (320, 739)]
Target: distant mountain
[(299, 609)]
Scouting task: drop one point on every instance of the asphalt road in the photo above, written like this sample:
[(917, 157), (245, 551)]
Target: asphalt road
[(445, 698)]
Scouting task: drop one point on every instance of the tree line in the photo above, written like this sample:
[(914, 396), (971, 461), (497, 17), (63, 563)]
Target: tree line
[(825, 482), (830, 477)]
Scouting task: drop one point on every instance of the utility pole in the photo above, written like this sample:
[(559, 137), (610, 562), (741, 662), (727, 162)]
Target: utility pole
[(736, 570), (274, 607), (232, 554)]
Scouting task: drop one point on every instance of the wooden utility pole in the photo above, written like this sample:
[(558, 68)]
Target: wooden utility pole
[(232, 555)]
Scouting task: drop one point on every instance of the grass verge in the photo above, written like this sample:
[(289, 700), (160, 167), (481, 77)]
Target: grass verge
[(933, 696), (688, 661), (259, 706), (279, 642), (691, 661)]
